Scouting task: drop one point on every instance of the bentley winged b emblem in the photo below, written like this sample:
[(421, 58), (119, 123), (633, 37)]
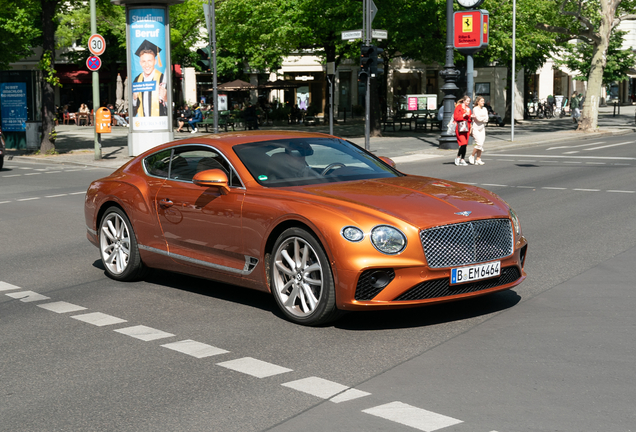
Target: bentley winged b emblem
[(464, 213)]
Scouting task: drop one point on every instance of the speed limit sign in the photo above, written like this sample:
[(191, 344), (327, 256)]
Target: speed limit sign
[(97, 44)]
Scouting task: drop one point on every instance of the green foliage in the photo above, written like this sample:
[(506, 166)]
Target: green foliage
[(577, 57), (532, 45), (19, 27), (48, 72)]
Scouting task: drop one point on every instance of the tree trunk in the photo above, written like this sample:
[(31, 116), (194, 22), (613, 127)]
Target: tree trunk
[(47, 64), (589, 116)]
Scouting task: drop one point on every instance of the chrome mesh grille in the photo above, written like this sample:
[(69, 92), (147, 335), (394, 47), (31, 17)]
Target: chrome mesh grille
[(467, 243)]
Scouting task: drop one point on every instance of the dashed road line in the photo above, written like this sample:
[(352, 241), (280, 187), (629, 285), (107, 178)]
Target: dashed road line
[(7, 286), (609, 145), (549, 188), (398, 412), (254, 367), (144, 333), (98, 319), (61, 307), (46, 196), (195, 349), (28, 296), (414, 417)]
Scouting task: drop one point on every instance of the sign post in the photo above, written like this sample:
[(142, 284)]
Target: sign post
[(94, 63)]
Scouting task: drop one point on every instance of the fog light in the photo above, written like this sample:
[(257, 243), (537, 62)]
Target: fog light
[(380, 278)]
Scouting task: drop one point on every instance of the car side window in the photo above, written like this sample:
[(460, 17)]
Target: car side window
[(158, 164), (190, 160)]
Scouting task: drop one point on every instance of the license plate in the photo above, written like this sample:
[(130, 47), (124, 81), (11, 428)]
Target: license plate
[(475, 272)]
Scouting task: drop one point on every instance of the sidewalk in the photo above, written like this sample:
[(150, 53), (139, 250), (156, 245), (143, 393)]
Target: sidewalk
[(75, 144)]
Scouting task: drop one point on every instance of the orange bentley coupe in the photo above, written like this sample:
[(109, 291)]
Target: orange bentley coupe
[(319, 222)]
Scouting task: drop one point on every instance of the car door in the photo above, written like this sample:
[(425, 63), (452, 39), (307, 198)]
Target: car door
[(202, 225)]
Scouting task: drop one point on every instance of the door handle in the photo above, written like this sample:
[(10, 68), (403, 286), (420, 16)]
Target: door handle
[(165, 203)]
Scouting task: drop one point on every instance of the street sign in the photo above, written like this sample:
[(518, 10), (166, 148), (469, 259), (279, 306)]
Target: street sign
[(93, 63), (357, 34), (351, 34), (379, 34), (374, 10), (96, 44)]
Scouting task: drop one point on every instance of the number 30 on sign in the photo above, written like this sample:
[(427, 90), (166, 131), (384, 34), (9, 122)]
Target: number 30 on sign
[(96, 44)]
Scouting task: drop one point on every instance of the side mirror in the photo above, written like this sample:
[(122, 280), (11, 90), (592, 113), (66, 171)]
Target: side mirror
[(212, 178), (387, 161)]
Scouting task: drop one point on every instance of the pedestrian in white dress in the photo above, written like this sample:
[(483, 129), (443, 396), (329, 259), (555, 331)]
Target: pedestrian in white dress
[(480, 118)]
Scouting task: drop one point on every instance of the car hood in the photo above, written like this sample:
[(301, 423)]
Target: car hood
[(421, 201)]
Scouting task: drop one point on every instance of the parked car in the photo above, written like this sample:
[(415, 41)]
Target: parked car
[(319, 222)]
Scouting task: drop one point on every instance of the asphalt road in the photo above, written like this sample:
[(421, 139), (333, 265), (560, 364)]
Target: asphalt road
[(554, 354)]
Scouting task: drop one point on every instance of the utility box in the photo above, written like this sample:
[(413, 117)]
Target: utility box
[(33, 134)]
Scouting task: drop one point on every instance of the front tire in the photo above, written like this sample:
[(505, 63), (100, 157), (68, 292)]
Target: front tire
[(301, 279), (118, 246)]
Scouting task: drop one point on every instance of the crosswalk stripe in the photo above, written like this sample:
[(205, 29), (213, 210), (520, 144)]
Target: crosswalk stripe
[(28, 296), (144, 333), (98, 319), (7, 286), (61, 307)]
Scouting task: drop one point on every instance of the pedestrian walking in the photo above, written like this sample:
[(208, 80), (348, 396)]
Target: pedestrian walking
[(480, 118), (575, 107), (463, 119)]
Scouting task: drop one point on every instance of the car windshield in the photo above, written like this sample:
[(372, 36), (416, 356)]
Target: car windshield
[(305, 161)]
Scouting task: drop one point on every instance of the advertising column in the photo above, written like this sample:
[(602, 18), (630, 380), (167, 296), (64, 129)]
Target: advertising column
[(149, 94)]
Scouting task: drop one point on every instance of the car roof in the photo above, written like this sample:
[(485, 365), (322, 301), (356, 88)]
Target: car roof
[(227, 140)]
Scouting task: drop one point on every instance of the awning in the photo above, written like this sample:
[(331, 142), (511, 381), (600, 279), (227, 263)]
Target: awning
[(279, 85), (236, 85)]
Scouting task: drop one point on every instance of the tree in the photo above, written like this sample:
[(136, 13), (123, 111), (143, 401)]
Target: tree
[(532, 47), (18, 30), (577, 57), (591, 22)]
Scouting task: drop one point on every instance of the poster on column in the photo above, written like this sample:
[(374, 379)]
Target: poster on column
[(148, 67)]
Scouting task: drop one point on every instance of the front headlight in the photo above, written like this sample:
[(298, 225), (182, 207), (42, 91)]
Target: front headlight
[(388, 240), (515, 223)]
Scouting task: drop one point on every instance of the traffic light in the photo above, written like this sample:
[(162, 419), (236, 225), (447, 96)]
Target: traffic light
[(365, 62), (205, 62), (376, 61)]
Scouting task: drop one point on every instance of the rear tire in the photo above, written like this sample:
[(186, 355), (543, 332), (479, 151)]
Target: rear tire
[(118, 247), (301, 279)]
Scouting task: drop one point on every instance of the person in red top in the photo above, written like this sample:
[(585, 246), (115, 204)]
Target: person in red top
[(462, 113)]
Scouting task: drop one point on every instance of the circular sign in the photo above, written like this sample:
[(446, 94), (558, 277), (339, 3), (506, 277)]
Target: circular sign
[(470, 4), (93, 63), (97, 44)]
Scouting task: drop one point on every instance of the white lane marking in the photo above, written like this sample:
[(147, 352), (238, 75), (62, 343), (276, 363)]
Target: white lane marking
[(144, 333), (28, 199), (572, 162), (13, 175), (587, 190), (526, 187), (4, 202), (609, 145), (562, 157), (52, 172), (580, 145), (348, 395), (194, 348), (315, 386), (98, 319), (621, 191), (572, 152), (28, 296), (254, 367), (55, 196), (61, 307), (493, 184), (4, 286), (37, 173), (413, 158), (554, 188), (414, 417), (77, 193)]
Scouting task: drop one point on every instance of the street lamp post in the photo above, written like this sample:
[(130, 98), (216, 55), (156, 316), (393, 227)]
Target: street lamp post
[(450, 76)]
